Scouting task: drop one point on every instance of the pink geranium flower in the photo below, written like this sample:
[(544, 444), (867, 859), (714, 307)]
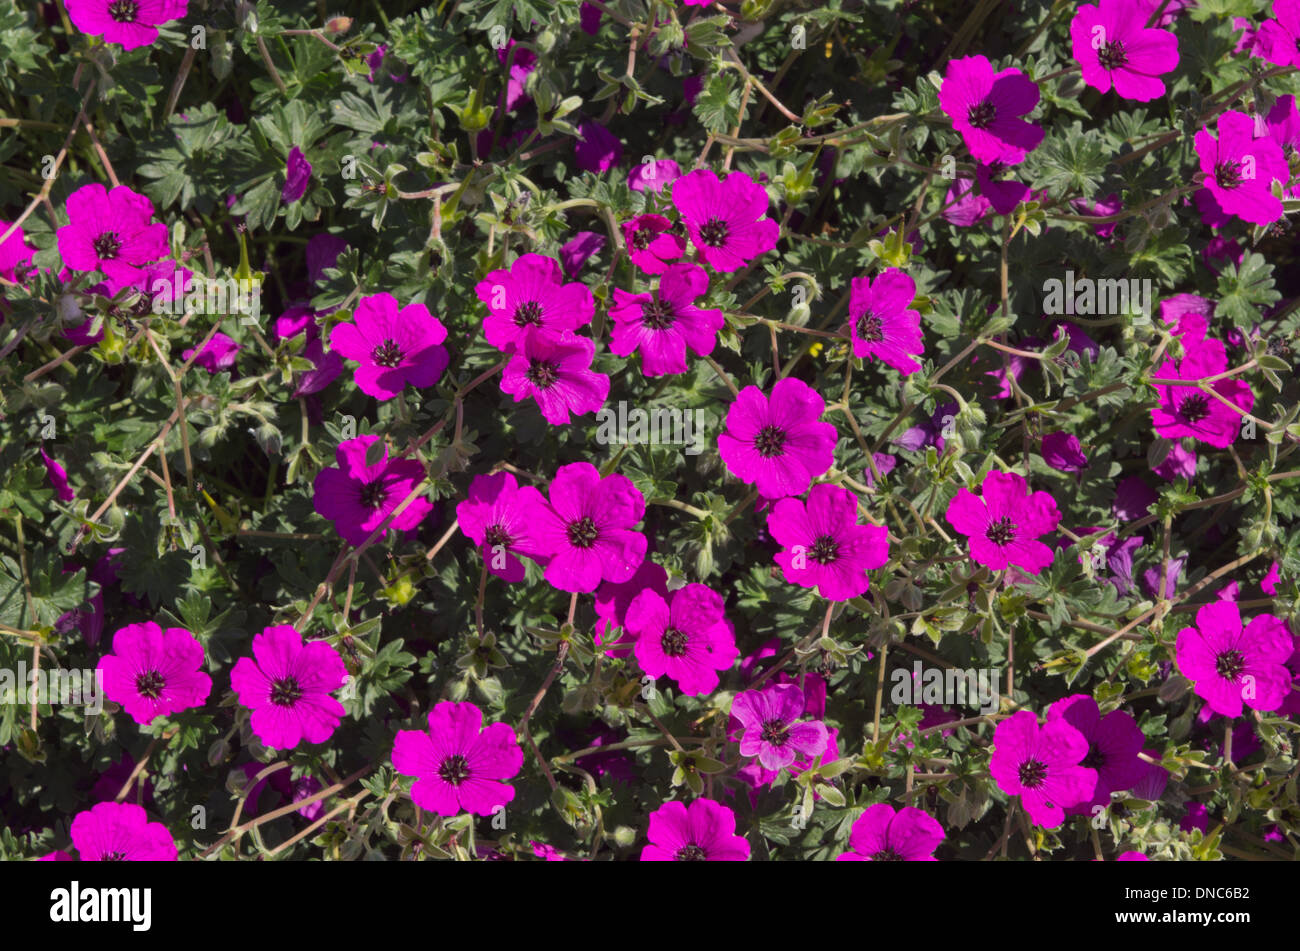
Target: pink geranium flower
[(15, 255), (287, 684), (218, 354), (497, 516), (393, 347), (597, 150), (778, 443), (1231, 665), (111, 231), (613, 599), (1062, 452), (58, 477), (120, 832), (1042, 765), (532, 295), (1188, 410), (1239, 171), (704, 832), (1116, 50), (154, 673), (881, 320), (822, 544), (460, 765), (686, 637), (985, 107), (358, 497), (654, 175), (882, 835), (726, 218), (586, 528), (130, 23), (556, 372), (297, 176), (651, 245), (1003, 193), (663, 324), (1278, 39), (771, 731), (1004, 522), (1114, 742)]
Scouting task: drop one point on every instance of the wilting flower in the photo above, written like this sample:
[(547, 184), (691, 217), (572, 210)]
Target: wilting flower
[(596, 149), (287, 684), (532, 296), (579, 249), (297, 176), (1101, 208), (1189, 410), (218, 354), (963, 206), (1269, 584), (1114, 742), (1002, 192), (358, 497), (111, 231), (778, 443), (1042, 765), (460, 764), (1231, 665), (1239, 172), (881, 320), (704, 832), (882, 835), (58, 477), (985, 108), (120, 832), (130, 23), (586, 528), (1062, 451), (154, 673), (522, 62), (769, 719), (651, 245), (822, 544), (1278, 39), (653, 175), (1004, 522), (497, 516), (1115, 49), (663, 324), (393, 347), (686, 636), (556, 372), (726, 218)]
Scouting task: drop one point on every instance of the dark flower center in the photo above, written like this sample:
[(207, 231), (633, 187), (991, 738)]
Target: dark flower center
[(285, 692), (1032, 774), (582, 533), (528, 314), (714, 232), (673, 642), (373, 494), (1001, 532), (150, 684), (641, 238), (124, 11), (114, 857), (886, 855), (870, 328), (1230, 664), (542, 374), (454, 769), (982, 114), (107, 246), (769, 441), (497, 535), (824, 550), (775, 732), (657, 315), (1194, 408), (691, 853), (1228, 174), (387, 354), (1112, 55), (1096, 758)]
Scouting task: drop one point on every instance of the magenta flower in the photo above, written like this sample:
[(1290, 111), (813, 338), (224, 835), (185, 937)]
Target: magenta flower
[(287, 684), (1114, 742), (1100, 208), (778, 443), (522, 62), (358, 497), (154, 673), (687, 637), (497, 516), (111, 231), (1269, 584), (1004, 522), (1189, 410), (1115, 49), (1062, 451), (963, 206), (725, 217), (120, 832), (1283, 125), (1042, 765), (652, 176), (297, 176), (1278, 39), (822, 544), (596, 150), (663, 324), (651, 245), (58, 477), (15, 255), (586, 528), (556, 372), (1239, 170), (393, 347), (460, 765), (771, 731), (613, 599), (1132, 857), (1003, 193), (532, 295), (881, 320), (704, 832), (882, 835), (1230, 665), (985, 108), (1188, 317), (579, 249), (218, 354), (130, 23)]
